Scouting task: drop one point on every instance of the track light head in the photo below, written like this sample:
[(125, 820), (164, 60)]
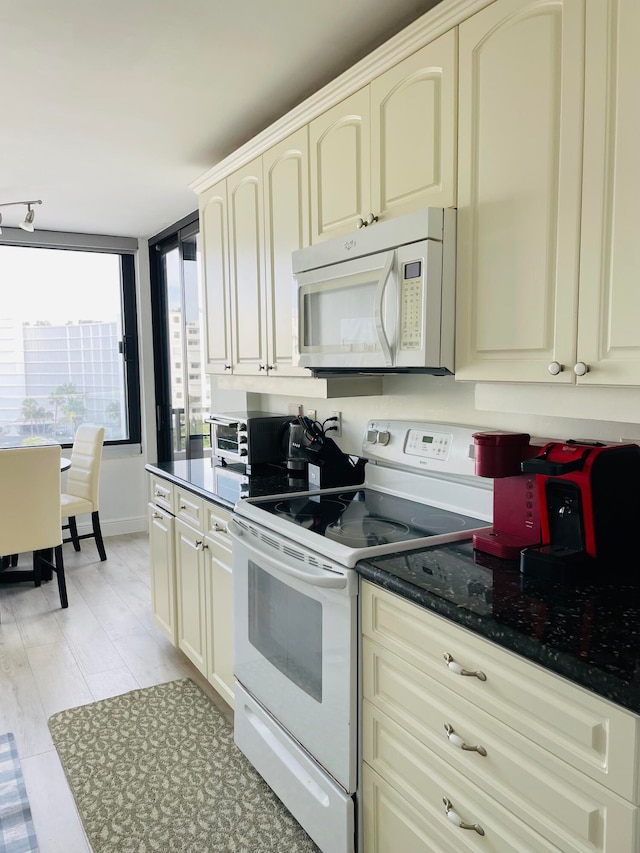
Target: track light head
[(27, 224)]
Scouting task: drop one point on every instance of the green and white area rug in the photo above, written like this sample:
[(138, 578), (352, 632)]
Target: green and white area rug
[(17, 834), (157, 770)]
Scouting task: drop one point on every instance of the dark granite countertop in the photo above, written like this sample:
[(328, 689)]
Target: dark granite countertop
[(588, 633), (226, 484)]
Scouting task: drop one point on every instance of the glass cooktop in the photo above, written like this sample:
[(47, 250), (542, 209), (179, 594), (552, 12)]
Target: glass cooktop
[(362, 518)]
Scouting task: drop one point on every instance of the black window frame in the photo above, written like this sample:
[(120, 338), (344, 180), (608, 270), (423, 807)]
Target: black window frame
[(126, 248)]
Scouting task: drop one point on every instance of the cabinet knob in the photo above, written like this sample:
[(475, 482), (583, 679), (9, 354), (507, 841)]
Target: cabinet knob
[(371, 219), (454, 666), (581, 368), (456, 740), (227, 367), (262, 367), (555, 368), (454, 817)]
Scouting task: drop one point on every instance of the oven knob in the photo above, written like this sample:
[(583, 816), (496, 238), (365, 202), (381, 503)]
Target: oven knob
[(372, 435), (243, 452), (383, 437), (242, 439)]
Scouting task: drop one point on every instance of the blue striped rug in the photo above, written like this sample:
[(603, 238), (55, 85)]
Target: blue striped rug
[(17, 834)]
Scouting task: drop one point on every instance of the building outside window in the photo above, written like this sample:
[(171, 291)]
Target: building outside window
[(68, 351)]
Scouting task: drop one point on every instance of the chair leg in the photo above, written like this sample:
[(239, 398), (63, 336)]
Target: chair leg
[(73, 531), (58, 565), (14, 560), (97, 532), (37, 568)]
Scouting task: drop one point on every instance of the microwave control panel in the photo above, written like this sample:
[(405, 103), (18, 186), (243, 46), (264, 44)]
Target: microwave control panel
[(411, 312)]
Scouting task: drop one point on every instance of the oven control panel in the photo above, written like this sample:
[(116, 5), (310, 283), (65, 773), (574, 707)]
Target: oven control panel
[(421, 446), (433, 445)]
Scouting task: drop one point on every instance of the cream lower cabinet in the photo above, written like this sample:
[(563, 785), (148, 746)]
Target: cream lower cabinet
[(163, 575), (547, 193), (390, 148), (191, 597), (219, 604), (546, 766), (192, 580)]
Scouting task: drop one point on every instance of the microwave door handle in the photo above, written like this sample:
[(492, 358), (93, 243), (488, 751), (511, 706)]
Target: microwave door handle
[(382, 284), (328, 581)]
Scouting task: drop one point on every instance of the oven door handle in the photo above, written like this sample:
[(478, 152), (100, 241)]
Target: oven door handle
[(325, 581)]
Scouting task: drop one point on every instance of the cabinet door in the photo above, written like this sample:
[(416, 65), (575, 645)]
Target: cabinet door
[(413, 131), (246, 238), (286, 198), (519, 186), (191, 600), (215, 276), (608, 327), (219, 587), (163, 575), (339, 156)]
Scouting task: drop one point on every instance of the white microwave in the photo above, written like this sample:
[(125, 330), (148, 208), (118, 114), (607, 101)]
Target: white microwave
[(379, 300)]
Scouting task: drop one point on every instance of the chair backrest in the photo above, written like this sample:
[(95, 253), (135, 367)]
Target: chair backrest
[(29, 499), (83, 478)]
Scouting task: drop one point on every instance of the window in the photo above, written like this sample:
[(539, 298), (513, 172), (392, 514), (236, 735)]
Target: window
[(68, 345)]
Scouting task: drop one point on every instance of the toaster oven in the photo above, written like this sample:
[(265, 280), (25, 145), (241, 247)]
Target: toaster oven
[(249, 438)]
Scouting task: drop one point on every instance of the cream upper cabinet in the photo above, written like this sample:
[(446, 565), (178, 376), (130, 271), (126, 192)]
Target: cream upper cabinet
[(215, 275), (246, 241), (546, 257), (519, 184), (286, 220), (388, 149), (339, 159), (413, 131), (609, 310)]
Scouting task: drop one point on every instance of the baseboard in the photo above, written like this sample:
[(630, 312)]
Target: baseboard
[(115, 527)]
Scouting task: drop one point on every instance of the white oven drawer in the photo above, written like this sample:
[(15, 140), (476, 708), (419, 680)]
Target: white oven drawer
[(323, 809), (589, 733)]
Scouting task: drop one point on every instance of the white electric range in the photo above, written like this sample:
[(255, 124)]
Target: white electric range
[(296, 614)]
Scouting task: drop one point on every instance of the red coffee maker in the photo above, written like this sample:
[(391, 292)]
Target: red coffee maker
[(516, 521)]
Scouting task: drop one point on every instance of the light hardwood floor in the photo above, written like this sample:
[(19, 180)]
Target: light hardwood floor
[(104, 644)]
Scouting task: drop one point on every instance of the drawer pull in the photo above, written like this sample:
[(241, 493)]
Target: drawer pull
[(454, 817), (456, 740), (156, 515), (457, 668), (183, 506), (160, 494)]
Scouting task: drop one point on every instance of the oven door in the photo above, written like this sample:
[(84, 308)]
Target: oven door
[(295, 643)]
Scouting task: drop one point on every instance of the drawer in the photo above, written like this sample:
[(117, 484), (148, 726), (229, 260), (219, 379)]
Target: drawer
[(589, 733), (216, 523), (573, 812), (425, 782), (161, 492), (190, 508)]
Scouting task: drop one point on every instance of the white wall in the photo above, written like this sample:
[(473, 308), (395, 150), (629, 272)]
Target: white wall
[(549, 411), (124, 485)]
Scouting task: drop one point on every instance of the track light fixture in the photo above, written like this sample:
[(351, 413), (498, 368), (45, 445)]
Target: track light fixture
[(27, 223)]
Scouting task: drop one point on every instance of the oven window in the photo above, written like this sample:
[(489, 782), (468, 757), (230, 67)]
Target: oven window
[(285, 626), (227, 438)]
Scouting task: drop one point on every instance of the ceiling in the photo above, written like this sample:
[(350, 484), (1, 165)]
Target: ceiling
[(111, 109)]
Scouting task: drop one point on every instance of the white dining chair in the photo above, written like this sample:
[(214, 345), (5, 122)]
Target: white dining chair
[(80, 496), (30, 514)]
